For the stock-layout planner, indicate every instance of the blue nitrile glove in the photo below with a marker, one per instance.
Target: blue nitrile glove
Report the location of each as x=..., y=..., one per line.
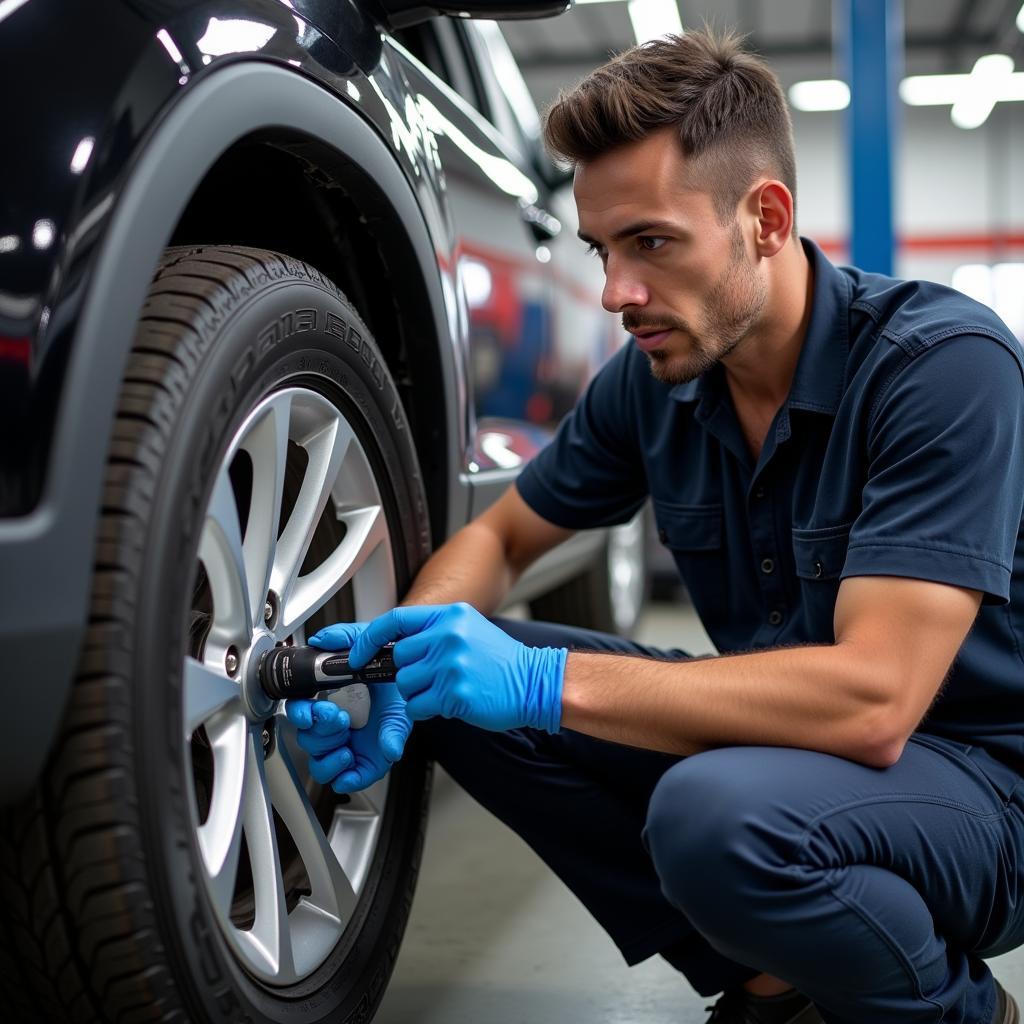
x=350, y=759
x=454, y=662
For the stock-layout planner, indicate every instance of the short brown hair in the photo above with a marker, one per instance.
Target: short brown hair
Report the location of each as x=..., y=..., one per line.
x=727, y=105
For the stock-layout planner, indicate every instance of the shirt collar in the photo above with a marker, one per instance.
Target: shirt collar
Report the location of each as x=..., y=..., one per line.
x=821, y=369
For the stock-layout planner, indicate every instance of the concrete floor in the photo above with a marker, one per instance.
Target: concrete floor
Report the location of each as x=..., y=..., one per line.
x=495, y=938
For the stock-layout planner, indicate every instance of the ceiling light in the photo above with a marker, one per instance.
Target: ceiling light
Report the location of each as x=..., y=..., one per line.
x=981, y=90
x=653, y=19
x=825, y=94
x=1020, y=17
x=932, y=90
x=939, y=90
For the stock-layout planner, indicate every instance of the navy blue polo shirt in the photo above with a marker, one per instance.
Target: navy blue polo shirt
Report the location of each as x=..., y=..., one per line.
x=898, y=452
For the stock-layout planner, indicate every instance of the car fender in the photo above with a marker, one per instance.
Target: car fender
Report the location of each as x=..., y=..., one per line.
x=48, y=553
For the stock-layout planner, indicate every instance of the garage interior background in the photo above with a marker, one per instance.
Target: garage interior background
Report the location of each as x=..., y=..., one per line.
x=513, y=946
x=959, y=204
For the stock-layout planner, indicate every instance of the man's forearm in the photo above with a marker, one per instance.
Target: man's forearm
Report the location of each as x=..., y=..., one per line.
x=816, y=698
x=471, y=566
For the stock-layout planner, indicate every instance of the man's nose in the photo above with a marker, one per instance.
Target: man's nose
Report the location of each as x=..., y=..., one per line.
x=621, y=289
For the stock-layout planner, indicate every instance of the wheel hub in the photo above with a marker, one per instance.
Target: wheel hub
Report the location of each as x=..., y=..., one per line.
x=258, y=706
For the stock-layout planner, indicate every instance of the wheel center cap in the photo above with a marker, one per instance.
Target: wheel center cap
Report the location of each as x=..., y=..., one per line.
x=258, y=705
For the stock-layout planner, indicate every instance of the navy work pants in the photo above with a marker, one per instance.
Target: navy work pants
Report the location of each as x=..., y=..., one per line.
x=876, y=892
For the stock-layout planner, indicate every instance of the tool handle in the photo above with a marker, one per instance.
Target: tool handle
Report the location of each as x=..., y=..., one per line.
x=290, y=673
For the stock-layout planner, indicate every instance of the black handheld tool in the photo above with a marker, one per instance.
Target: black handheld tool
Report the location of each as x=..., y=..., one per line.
x=290, y=673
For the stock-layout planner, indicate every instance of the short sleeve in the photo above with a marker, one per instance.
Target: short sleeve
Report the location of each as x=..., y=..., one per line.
x=592, y=472
x=945, y=483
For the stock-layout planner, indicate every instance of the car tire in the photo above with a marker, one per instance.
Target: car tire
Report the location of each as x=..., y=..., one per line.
x=610, y=595
x=115, y=908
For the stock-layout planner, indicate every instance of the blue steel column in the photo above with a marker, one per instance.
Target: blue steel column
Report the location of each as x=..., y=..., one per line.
x=872, y=33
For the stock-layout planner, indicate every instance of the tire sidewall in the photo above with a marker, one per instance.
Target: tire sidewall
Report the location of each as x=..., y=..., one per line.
x=289, y=333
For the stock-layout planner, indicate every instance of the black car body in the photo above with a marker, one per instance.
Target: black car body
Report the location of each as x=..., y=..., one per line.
x=288, y=293
x=297, y=125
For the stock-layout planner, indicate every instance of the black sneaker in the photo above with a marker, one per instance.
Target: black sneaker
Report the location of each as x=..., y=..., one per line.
x=738, y=1006
x=1007, y=1011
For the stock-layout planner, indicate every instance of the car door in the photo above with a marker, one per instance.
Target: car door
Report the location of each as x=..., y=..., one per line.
x=494, y=196
x=582, y=334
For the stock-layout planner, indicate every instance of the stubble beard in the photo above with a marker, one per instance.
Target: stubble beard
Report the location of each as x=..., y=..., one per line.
x=733, y=307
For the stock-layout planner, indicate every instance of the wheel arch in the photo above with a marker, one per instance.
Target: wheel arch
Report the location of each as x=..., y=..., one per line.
x=51, y=549
x=331, y=213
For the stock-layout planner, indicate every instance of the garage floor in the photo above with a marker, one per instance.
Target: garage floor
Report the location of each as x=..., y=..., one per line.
x=494, y=937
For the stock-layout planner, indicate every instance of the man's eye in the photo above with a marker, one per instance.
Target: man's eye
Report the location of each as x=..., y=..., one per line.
x=650, y=243
x=594, y=250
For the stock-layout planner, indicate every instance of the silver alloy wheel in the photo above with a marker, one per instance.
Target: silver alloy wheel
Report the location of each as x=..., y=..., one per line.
x=626, y=570
x=257, y=769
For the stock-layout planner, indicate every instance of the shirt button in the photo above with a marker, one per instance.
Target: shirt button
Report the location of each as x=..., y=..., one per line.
x=819, y=570
x=775, y=617
x=759, y=493
x=767, y=566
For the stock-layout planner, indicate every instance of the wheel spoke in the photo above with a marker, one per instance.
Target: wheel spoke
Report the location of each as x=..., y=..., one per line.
x=267, y=445
x=366, y=531
x=220, y=550
x=270, y=935
x=326, y=448
x=332, y=892
x=367, y=803
x=355, y=829
x=207, y=691
x=220, y=836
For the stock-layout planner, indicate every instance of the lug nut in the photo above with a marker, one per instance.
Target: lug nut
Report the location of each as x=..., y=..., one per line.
x=231, y=661
x=270, y=608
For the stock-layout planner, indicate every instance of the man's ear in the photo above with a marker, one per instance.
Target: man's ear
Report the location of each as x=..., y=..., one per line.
x=771, y=204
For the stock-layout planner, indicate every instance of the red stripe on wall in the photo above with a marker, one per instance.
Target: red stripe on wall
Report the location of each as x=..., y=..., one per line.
x=993, y=242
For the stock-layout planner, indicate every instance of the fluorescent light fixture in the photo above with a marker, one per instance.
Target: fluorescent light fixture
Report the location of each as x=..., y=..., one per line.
x=652, y=19
x=939, y=90
x=825, y=94
x=982, y=90
x=1020, y=17
x=932, y=90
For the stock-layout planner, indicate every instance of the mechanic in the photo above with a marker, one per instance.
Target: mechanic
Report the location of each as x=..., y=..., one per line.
x=824, y=822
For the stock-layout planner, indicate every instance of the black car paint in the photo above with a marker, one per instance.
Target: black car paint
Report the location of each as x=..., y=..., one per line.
x=325, y=82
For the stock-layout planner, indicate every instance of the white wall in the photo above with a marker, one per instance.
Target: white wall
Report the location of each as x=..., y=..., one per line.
x=951, y=182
